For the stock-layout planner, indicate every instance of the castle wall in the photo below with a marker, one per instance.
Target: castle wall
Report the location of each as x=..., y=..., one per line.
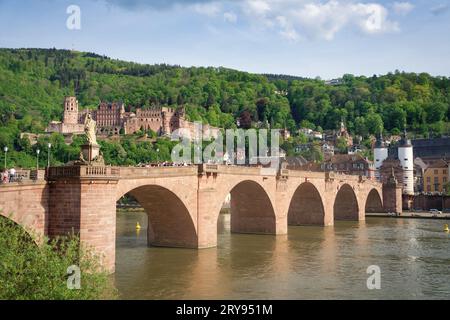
x=111, y=118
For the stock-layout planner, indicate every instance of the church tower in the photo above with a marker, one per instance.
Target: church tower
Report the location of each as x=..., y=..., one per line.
x=70, y=110
x=405, y=155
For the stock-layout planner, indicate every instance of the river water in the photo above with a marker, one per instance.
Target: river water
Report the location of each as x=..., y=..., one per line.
x=308, y=263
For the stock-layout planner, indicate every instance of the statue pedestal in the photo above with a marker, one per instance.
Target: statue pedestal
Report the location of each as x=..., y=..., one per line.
x=90, y=152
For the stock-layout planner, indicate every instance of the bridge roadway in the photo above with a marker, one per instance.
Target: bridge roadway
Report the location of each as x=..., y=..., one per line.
x=183, y=203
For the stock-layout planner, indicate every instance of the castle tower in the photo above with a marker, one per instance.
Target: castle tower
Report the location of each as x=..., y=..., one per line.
x=380, y=152
x=405, y=155
x=70, y=110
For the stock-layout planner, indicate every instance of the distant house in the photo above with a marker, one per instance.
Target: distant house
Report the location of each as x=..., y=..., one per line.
x=328, y=150
x=311, y=134
x=432, y=148
x=302, y=147
x=436, y=176
x=294, y=163
x=333, y=82
x=350, y=164
x=317, y=135
x=305, y=131
x=355, y=149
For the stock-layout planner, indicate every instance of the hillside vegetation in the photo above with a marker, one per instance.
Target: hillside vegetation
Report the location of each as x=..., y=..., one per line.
x=33, y=83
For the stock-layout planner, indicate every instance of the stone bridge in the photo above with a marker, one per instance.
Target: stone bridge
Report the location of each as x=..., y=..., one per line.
x=183, y=203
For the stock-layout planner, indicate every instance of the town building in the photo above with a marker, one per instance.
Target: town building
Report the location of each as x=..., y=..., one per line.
x=328, y=150
x=437, y=148
x=311, y=134
x=350, y=164
x=435, y=176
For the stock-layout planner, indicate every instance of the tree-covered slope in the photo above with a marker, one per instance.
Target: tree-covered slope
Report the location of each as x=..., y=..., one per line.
x=33, y=83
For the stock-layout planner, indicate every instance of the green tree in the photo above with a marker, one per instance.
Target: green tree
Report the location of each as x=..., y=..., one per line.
x=32, y=272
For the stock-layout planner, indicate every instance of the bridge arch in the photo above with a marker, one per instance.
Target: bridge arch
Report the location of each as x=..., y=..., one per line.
x=306, y=206
x=251, y=207
x=374, y=204
x=346, y=204
x=170, y=223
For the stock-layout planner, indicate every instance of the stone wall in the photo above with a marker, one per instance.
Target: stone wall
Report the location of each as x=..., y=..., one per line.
x=27, y=205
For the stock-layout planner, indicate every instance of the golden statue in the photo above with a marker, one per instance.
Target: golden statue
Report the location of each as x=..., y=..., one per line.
x=90, y=128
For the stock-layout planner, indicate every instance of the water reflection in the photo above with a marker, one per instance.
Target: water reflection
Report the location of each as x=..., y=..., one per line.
x=308, y=263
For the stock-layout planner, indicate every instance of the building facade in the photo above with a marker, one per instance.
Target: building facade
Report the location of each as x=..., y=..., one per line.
x=352, y=164
x=435, y=176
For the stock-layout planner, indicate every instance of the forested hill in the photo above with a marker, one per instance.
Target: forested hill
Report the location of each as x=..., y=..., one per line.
x=33, y=83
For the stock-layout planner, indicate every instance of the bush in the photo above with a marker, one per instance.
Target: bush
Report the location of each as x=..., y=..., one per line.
x=39, y=272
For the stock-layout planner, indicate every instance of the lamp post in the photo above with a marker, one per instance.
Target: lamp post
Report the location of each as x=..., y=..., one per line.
x=6, y=151
x=48, y=154
x=157, y=155
x=37, y=159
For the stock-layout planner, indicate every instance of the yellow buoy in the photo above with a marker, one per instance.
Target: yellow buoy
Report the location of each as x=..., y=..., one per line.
x=138, y=226
x=446, y=228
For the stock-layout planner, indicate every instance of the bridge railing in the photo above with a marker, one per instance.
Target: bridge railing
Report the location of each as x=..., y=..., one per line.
x=24, y=176
x=136, y=172
x=82, y=172
x=236, y=169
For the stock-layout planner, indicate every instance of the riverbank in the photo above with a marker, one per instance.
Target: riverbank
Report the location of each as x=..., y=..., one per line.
x=411, y=215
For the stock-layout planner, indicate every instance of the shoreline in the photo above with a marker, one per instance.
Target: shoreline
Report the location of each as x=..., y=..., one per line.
x=410, y=215
x=404, y=215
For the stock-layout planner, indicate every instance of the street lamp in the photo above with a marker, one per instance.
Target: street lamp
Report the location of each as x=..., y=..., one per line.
x=6, y=150
x=37, y=158
x=157, y=155
x=48, y=154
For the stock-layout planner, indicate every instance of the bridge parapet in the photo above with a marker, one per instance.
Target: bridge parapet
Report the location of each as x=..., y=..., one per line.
x=82, y=172
x=237, y=170
x=157, y=172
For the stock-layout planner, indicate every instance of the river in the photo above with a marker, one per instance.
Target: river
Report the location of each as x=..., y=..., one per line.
x=308, y=263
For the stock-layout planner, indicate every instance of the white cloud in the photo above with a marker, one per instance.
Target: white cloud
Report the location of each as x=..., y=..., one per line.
x=287, y=31
x=402, y=8
x=230, y=17
x=372, y=18
x=210, y=9
x=257, y=7
x=295, y=19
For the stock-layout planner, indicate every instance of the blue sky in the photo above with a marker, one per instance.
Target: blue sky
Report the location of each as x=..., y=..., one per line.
x=325, y=38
